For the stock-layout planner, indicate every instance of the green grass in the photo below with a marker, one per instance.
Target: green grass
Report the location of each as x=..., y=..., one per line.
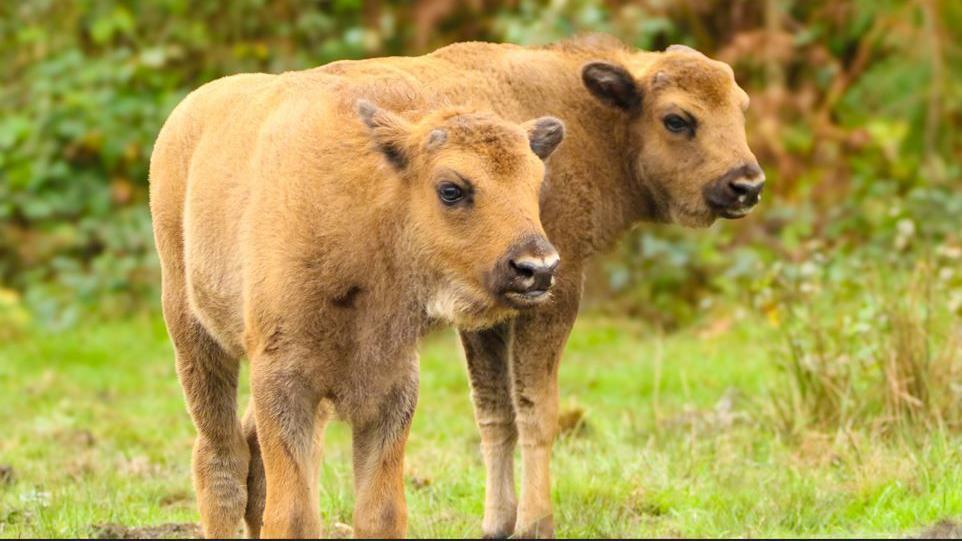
x=674, y=439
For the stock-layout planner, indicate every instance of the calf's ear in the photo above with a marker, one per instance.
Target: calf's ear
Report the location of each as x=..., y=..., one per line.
x=612, y=85
x=388, y=131
x=544, y=135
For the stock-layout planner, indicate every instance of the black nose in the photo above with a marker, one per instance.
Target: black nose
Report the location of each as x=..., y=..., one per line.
x=526, y=273
x=737, y=191
x=535, y=273
x=746, y=192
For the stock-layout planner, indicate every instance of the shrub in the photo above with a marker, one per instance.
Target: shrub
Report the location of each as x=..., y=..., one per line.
x=885, y=358
x=855, y=108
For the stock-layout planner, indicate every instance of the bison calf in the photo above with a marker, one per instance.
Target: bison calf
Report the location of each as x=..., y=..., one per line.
x=322, y=246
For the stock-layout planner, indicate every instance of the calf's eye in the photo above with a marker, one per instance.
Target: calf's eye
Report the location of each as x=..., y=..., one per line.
x=676, y=124
x=450, y=193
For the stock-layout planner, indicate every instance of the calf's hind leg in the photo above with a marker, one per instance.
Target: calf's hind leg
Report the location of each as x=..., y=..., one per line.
x=208, y=376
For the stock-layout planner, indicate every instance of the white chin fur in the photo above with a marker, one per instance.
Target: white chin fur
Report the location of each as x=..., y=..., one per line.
x=445, y=305
x=462, y=307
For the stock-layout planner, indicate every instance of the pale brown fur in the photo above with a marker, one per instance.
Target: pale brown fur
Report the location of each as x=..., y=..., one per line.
x=618, y=167
x=291, y=233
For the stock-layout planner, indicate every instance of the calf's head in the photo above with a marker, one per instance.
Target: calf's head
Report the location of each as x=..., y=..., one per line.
x=471, y=182
x=684, y=115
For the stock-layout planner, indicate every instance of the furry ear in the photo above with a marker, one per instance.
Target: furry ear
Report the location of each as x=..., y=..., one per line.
x=544, y=135
x=388, y=131
x=612, y=85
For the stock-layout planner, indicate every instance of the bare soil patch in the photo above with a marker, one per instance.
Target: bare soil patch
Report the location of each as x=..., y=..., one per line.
x=944, y=529
x=170, y=530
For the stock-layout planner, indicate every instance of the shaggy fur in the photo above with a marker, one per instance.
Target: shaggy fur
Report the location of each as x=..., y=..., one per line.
x=291, y=233
x=618, y=167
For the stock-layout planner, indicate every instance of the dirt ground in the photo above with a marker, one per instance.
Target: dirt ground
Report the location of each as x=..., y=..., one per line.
x=944, y=529
x=186, y=531
x=161, y=531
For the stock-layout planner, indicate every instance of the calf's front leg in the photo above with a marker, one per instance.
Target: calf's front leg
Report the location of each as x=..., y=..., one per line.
x=488, y=355
x=256, y=484
x=539, y=339
x=380, y=510
x=286, y=406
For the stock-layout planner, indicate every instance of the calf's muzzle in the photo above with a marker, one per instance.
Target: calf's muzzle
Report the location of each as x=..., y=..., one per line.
x=523, y=277
x=735, y=193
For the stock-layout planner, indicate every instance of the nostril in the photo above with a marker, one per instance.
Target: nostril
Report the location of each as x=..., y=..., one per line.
x=524, y=268
x=746, y=190
x=740, y=188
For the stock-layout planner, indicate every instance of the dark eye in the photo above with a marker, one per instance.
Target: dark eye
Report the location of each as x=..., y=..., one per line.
x=450, y=193
x=676, y=124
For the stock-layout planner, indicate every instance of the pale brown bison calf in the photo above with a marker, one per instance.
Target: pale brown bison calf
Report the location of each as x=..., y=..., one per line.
x=320, y=237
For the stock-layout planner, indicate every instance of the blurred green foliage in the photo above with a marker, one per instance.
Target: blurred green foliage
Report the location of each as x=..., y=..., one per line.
x=856, y=116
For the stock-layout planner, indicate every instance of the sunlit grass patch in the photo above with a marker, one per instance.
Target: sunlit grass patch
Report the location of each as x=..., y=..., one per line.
x=672, y=434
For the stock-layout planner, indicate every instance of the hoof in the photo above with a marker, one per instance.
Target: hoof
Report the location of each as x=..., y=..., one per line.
x=542, y=528
x=499, y=523
x=503, y=531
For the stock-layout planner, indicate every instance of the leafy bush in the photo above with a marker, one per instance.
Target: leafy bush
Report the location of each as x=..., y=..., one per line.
x=94, y=81
x=855, y=116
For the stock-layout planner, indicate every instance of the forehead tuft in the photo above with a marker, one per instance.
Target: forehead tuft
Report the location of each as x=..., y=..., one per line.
x=501, y=145
x=707, y=80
